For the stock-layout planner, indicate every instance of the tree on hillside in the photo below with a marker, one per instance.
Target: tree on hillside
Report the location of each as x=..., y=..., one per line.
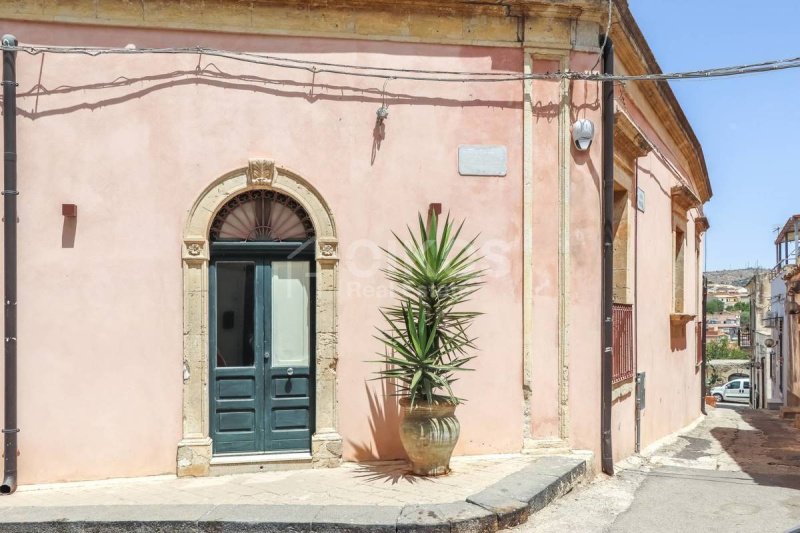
x=724, y=349
x=744, y=307
x=715, y=306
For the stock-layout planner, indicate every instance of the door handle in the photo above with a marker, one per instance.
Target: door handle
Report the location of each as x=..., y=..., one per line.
x=266, y=356
x=290, y=371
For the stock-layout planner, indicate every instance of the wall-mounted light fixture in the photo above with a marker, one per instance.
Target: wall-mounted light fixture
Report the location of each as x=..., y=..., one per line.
x=582, y=134
x=382, y=113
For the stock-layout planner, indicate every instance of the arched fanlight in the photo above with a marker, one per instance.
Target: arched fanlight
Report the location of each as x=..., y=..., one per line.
x=262, y=215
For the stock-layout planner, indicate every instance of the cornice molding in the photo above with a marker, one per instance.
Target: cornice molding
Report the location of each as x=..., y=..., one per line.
x=629, y=142
x=683, y=198
x=550, y=23
x=701, y=225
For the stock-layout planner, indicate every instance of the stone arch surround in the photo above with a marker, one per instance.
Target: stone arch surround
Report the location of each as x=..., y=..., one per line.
x=194, y=455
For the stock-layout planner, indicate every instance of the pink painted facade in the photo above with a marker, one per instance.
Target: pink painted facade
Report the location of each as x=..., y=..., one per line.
x=134, y=140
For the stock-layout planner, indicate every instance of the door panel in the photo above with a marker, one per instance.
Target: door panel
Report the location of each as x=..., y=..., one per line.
x=289, y=375
x=291, y=319
x=261, y=336
x=236, y=336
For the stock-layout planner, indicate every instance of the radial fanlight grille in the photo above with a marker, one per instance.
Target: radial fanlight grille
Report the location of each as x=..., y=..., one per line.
x=262, y=215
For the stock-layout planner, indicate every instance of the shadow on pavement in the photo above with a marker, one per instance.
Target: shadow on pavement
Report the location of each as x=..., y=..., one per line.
x=769, y=452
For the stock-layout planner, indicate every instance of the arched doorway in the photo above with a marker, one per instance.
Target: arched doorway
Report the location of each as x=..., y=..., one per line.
x=261, y=294
x=258, y=237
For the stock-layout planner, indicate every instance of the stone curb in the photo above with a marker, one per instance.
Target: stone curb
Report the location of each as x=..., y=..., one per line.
x=507, y=503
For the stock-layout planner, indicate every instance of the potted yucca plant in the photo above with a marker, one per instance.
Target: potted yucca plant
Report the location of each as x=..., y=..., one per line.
x=426, y=338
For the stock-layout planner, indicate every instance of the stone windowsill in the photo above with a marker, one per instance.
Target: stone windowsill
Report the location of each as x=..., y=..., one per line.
x=622, y=388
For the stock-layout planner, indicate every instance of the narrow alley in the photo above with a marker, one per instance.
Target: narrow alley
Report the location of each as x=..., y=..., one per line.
x=739, y=469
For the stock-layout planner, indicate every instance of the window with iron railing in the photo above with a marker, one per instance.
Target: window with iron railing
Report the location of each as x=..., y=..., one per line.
x=622, y=343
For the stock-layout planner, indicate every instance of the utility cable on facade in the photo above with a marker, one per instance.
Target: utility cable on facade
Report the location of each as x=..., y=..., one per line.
x=317, y=67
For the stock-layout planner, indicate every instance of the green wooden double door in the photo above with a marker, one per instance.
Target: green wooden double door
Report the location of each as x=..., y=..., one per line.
x=262, y=353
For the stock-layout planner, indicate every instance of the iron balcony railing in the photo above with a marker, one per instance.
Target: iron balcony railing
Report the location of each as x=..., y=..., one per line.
x=787, y=262
x=622, y=337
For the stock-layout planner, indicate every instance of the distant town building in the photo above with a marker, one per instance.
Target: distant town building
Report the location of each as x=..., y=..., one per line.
x=721, y=325
x=719, y=371
x=783, y=355
x=728, y=294
x=760, y=291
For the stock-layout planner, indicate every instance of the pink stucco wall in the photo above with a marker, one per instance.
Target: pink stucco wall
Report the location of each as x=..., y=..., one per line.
x=585, y=244
x=545, y=232
x=100, y=311
x=134, y=140
x=667, y=355
x=668, y=358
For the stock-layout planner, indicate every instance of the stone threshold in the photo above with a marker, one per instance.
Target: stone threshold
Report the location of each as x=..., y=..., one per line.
x=507, y=503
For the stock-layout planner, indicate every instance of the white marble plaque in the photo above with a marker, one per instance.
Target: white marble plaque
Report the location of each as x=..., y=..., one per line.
x=482, y=160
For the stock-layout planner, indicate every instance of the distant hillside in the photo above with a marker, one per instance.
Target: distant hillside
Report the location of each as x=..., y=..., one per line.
x=738, y=277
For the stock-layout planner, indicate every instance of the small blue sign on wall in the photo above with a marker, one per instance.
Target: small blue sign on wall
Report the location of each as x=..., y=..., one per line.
x=640, y=199
x=482, y=160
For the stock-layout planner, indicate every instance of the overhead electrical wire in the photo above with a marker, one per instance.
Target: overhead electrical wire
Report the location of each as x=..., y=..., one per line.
x=318, y=67
x=606, y=34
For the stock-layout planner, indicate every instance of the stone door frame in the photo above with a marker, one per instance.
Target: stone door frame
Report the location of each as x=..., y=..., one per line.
x=195, y=450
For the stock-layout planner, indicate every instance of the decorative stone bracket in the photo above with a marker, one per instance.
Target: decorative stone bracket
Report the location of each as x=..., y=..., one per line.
x=683, y=198
x=680, y=319
x=629, y=142
x=701, y=225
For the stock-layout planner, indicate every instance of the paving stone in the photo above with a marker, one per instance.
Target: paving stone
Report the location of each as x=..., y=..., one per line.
x=262, y=518
x=422, y=519
x=535, y=490
x=101, y=527
x=466, y=517
x=510, y=512
x=380, y=498
x=563, y=467
x=356, y=518
x=110, y=513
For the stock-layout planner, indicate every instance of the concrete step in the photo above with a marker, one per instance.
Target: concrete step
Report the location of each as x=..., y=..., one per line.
x=507, y=503
x=789, y=412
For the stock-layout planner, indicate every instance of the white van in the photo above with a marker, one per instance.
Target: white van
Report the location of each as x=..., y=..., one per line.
x=736, y=390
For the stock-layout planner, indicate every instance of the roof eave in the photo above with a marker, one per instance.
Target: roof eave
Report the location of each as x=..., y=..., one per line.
x=633, y=35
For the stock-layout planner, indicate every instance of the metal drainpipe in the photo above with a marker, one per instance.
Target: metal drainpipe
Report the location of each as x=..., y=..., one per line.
x=10, y=193
x=703, y=348
x=606, y=452
x=637, y=444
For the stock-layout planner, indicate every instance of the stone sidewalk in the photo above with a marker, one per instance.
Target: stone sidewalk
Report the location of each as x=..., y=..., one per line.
x=739, y=469
x=481, y=494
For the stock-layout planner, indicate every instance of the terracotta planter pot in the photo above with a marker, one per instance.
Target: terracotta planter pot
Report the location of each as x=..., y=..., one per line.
x=429, y=433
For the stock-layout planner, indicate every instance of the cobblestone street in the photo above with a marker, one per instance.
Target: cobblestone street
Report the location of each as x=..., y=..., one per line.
x=738, y=469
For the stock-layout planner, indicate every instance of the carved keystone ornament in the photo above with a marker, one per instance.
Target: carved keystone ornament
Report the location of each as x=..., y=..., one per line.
x=261, y=171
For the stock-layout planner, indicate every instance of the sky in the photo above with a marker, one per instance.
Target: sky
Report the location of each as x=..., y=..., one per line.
x=749, y=126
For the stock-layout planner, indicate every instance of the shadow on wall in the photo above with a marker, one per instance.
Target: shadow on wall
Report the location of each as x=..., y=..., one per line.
x=68, y=232
x=769, y=453
x=677, y=338
x=384, y=425
x=212, y=75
